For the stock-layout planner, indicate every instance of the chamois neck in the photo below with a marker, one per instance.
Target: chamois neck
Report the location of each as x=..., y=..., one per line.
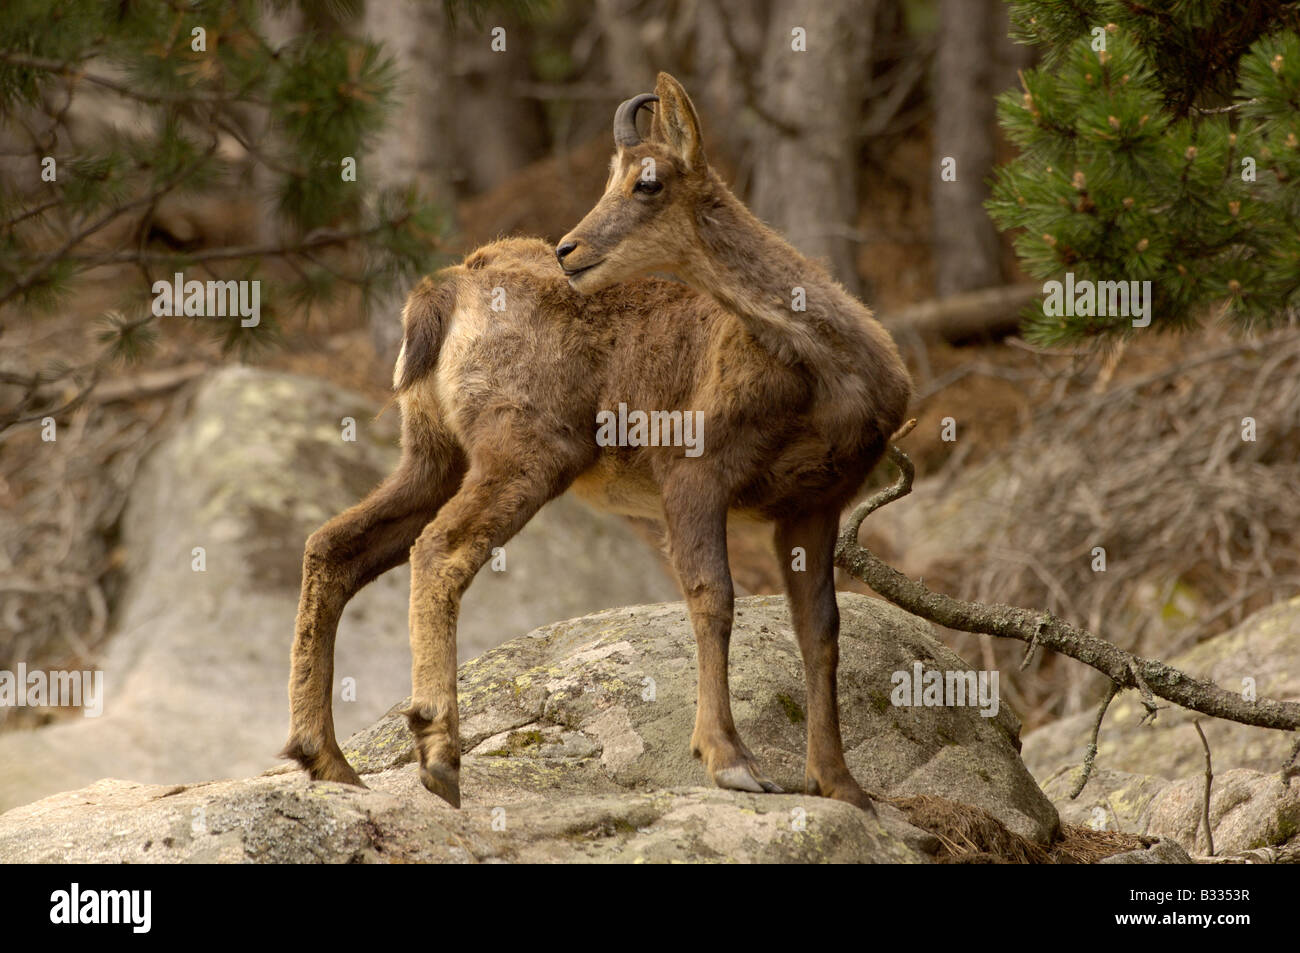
x=761, y=278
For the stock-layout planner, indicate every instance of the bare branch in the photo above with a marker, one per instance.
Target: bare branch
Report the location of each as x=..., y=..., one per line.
x=1121, y=667
x=1213, y=110
x=1090, y=756
x=19, y=415
x=148, y=384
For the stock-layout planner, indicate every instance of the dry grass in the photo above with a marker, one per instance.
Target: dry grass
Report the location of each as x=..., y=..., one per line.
x=1148, y=461
x=1156, y=469
x=970, y=835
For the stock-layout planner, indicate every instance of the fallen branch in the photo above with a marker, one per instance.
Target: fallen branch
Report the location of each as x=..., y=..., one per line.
x=990, y=312
x=147, y=384
x=1126, y=670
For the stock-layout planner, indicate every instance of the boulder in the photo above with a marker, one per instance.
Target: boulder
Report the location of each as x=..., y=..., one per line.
x=196, y=668
x=1161, y=852
x=576, y=741
x=1249, y=811
x=614, y=693
x=286, y=819
x=1111, y=800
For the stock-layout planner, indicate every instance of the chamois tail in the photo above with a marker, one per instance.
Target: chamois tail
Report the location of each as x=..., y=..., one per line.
x=424, y=324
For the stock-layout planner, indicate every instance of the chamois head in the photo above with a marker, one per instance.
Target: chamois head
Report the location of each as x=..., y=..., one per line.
x=645, y=221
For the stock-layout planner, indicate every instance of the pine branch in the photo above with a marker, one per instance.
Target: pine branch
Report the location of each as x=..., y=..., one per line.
x=23, y=414
x=45, y=264
x=30, y=213
x=321, y=238
x=78, y=73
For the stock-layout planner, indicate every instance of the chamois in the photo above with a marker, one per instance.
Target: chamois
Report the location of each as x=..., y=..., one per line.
x=499, y=415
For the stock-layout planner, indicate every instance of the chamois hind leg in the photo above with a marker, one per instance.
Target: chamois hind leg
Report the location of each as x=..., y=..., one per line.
x=500, y=494
x=345, y=554
x=816, y=620
x=697, y=548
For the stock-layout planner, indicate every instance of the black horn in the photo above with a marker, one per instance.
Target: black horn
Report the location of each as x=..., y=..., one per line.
x=625, y=134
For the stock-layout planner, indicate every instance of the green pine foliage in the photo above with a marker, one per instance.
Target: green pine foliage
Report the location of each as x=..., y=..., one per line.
x=1171, y=156
x=295, y=109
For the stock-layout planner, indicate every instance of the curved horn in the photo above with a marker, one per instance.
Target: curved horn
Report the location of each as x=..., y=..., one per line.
x=625, y=134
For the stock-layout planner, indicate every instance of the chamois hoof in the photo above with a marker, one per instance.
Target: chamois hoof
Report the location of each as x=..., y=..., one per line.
x=741, y=778
x=339, y=771
x=859, y=799
x=849, y=792
x=442, y=780
x=322, y=764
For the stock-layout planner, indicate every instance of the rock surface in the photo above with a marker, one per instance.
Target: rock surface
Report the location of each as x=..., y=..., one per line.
x=1249, y=811
x=196, y=670
x=286, y=819
x=1162, y=852
x=577, y=749
x=612, y=695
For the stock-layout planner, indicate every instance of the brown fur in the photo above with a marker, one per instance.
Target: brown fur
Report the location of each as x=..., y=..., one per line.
x=499, y=411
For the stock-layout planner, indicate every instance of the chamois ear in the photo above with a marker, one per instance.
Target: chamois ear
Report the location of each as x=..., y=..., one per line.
x=675, y=123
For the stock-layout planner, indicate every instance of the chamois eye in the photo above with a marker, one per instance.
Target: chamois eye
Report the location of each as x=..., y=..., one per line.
x=648, y=187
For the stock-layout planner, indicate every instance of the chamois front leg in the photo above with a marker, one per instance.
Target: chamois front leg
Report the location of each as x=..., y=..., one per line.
x=341, y=557
x=816, y=619
x=494, y=503
x=697, y=545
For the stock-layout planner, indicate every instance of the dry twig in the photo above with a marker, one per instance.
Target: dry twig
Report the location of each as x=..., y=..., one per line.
x=1209, y=783
x=1091, y=756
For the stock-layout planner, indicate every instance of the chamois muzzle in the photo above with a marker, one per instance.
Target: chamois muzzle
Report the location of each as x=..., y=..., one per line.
x=625, y=134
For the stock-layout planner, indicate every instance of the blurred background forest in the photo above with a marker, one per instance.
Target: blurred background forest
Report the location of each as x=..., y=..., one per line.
x=473, y=120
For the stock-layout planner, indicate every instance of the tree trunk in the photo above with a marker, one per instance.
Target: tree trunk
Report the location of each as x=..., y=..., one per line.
x=413, y=145
x=629, y=60
x=497, y=131
x=806, y=175
x=966, y=249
